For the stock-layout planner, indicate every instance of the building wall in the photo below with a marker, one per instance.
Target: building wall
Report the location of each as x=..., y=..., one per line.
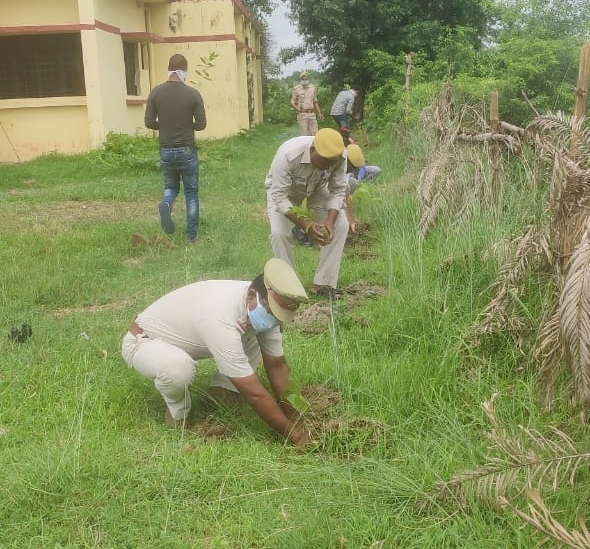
x=38, y=12
x=31, y=130
x=157, y=29
x=224, y=94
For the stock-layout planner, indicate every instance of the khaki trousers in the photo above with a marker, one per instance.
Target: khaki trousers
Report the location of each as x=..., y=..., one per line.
x=308, y=124
x=282, y=240
x=173, y=370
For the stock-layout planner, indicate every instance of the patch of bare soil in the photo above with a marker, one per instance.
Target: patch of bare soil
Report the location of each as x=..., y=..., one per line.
x=209, y=429
x=349, y=435
x=359, y=246
x=333, y=433
x=70, y=212
x=321, y=400
x=315, y=319
x=117, y=306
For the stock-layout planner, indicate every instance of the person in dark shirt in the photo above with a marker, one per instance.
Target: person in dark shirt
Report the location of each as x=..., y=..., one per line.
x=177, y=111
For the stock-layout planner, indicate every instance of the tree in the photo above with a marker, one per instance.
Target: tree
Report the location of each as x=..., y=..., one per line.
x=260, y=8
x=544, y=19
x=343, y=31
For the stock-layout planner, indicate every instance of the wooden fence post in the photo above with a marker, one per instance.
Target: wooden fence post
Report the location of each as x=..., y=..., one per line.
x=409, y=71
x=580, y=105
x=495, y=148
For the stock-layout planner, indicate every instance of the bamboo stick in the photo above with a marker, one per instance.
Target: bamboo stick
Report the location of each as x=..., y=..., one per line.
x=580, y=104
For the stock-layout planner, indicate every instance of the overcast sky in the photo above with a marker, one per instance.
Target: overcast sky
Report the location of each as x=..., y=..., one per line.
x=285, y=35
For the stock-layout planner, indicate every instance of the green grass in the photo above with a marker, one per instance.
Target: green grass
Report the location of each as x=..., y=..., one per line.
x=86, y=460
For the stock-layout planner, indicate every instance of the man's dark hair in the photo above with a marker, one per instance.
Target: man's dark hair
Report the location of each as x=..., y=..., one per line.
x=259, y=286
x=177, y=62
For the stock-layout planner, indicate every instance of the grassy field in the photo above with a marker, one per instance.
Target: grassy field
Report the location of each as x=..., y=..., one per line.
x=86, y=461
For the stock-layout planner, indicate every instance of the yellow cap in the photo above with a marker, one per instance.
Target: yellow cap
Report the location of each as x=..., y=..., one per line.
x=328, y=143
x=285, y=291
x=355, y=155
x=303, y=74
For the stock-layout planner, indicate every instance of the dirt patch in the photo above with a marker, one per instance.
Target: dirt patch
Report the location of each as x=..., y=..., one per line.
x=59, y=214
x=358, y=246
x=117, y=306
x=315, y=319
x=321, y=400
x=209, y=429
x=332, y=433
x=330, y=430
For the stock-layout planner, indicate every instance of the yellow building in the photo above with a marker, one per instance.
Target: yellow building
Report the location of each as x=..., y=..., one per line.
x=71, y=71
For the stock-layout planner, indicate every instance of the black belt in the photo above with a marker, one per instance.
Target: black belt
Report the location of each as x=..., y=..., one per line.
x=179, y=149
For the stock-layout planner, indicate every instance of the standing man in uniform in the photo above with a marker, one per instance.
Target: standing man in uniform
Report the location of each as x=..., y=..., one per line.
x=311, y=168
x=177, y=111
x=238, y=324
x=305, y=102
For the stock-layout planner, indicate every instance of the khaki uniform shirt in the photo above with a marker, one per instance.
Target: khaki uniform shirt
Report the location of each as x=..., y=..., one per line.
x=304, y=97
x=292, y=176
x=203, y=319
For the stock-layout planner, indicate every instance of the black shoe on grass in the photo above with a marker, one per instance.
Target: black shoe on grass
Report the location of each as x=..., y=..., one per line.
x=165, y=218
x=300, y=237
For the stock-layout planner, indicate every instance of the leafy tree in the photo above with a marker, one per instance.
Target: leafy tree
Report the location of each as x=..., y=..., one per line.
x=260, y=8
x=344, y=31
x=543, y=19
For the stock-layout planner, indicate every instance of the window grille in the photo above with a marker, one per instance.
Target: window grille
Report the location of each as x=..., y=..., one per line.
x=41, y=65
x=131, y=67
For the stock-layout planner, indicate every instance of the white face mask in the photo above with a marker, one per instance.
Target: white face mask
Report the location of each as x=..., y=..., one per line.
x=261, y=319
x=305, y=82
x=181, y=74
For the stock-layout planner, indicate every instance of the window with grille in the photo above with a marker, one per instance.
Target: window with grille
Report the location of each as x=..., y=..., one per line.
x=131, y=57
x=41, y=65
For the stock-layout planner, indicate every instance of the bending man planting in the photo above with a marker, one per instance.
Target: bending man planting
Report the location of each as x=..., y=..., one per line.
x=237, y=323
x=311, y=168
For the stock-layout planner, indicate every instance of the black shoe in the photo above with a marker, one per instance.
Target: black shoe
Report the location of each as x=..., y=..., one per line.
x=300, y=236
x=165, y=218
x=326, y=292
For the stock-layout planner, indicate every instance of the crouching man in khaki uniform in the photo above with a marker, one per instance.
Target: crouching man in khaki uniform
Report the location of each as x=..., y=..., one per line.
x=304, y=100
x=237, y=323
x=311, y=168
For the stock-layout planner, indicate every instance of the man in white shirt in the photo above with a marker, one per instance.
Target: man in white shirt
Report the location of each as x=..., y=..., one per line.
x=311, y=168
x=237, y=323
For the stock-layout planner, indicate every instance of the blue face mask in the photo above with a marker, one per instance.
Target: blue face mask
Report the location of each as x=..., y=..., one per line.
x=261, y=319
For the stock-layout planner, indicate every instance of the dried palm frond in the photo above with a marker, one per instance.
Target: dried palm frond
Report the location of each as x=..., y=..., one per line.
x=557, y=127
x=429, y=175
x=542, y=519
x=574, y=317
x=548, y=356
x=529, y=249
x=570, y=210
x=533, y=461
x=440, y=114
x=442, y=186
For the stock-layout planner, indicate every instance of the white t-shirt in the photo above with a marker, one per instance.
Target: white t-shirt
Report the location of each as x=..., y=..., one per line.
x=203, y=319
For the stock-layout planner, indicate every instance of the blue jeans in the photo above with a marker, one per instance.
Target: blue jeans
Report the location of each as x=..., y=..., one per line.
x=342, y=120
x=176, y=163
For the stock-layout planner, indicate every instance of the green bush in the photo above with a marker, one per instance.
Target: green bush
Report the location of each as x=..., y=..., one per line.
x=128, y=153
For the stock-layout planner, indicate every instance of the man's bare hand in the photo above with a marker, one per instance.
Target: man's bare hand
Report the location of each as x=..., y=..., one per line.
x=300, y=437
x=319, y=233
